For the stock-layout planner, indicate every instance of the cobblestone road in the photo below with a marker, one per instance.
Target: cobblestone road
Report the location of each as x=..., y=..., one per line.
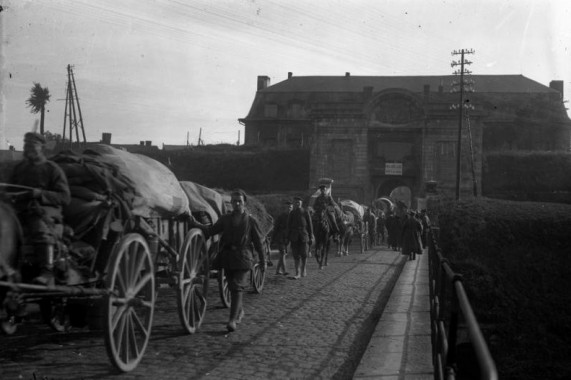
x=313, y=328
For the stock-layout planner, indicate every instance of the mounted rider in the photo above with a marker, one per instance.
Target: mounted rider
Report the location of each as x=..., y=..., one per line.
x=325, y=205
x=40, y=209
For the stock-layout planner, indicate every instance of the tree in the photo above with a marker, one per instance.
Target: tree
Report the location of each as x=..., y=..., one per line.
x=39, y=96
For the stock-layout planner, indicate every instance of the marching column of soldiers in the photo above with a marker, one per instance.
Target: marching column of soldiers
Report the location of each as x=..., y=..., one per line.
x=40, y=212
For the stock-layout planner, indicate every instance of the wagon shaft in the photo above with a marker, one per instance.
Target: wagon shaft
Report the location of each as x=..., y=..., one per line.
x=63, y=290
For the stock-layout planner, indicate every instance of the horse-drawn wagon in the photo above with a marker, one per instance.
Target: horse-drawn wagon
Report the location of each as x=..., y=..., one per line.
x=131, y=233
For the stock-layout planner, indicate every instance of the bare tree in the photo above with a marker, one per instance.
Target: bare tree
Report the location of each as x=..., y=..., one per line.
x=39, y=96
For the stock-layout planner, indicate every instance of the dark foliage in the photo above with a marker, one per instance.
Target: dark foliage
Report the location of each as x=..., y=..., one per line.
x=516, y=262
x=528, y=176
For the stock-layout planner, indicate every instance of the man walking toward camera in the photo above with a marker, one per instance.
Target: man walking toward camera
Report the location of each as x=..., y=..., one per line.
x=280, y=237
x=241, y=234
x=300, y=233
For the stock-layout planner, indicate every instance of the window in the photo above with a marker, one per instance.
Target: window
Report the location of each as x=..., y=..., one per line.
x=340, y=158
x=393, y=151
x=271, y=110
x=445, y=160
x=446, y=149
x=296, y=110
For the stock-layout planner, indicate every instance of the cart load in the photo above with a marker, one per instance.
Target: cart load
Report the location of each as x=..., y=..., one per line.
x=157, y=191
x=204, y=200
x=353, y=207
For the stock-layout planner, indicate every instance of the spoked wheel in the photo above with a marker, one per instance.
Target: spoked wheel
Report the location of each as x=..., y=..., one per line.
x=258, y=277
x=192, y=281
x=131, y=302
x=223, y=288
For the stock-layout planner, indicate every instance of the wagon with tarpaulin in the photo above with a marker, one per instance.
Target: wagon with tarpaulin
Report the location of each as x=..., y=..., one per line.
x=358, y=212
x=132, y=231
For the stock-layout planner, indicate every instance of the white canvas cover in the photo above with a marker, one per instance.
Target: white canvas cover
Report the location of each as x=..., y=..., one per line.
x=202, y=198
x=157, y=190
x=353, y=207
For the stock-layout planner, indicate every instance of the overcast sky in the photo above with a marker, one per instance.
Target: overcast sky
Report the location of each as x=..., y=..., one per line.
x=161, y=69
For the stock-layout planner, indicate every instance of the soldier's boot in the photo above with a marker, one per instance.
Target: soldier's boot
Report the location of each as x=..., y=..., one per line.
x=235, y=310
x=45, y=256
x=297, y=268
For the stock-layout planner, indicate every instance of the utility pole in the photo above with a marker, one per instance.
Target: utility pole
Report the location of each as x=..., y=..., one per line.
x=72, y=112
x=474, y=180
x=460, y=87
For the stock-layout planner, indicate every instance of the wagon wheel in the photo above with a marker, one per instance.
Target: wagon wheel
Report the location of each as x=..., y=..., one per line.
x=258, y=277
x=223, y=288
x=192, y=281
x=130, y=305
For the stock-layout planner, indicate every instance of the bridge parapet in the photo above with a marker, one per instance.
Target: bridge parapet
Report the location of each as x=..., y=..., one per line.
x=458, y=346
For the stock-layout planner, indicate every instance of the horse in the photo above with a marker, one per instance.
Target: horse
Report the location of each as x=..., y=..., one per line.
x=347, y=227
x=323, y=235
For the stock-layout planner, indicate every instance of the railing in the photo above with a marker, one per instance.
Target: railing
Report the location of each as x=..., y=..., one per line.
x=459, y=350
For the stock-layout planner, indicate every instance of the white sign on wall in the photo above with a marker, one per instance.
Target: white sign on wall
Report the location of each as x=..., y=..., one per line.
x=393, y=168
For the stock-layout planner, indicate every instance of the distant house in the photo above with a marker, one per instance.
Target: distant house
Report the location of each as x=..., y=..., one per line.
x=373, y=135
x=170, y=148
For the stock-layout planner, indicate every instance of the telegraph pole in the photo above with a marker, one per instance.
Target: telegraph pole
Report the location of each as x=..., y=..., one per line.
x=72, y=112
x=461, y=89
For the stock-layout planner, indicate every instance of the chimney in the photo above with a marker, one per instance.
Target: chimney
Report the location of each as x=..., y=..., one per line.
x=426, y=92
x=557, y=85
x=148, y=143
x=141, y=143
x=367, y=92
x=289, y=75
x=106, y=138
x=263, y=82
x=347, y=74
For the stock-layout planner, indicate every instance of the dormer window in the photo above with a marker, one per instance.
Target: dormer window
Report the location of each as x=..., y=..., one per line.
x=271, y=110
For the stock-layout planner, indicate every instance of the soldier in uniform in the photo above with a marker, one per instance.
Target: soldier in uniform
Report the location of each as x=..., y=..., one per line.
x=241, y=235
x=425, y=220
x=280, y=236
x=40, y=210
x=371, y=226
x=325, y=202
x=410, y=236
x=300, y=234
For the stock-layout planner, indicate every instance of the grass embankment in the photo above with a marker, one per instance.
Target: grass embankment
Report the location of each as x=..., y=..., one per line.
x=515, y=258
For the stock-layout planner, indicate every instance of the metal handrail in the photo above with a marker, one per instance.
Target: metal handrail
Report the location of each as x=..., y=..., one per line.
x=452, y=316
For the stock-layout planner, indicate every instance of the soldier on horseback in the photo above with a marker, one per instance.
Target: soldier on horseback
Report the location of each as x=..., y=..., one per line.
x=40, y=209
x=325, y=206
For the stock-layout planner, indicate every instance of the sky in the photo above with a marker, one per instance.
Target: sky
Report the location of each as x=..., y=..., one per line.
x=170, y=70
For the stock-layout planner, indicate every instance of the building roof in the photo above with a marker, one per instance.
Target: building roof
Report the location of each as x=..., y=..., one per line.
x=347, y=94
x=483, y=83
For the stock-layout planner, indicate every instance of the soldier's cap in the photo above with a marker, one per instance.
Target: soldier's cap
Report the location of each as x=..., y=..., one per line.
x=298, y=199
x=34, y=137
x=239, y=192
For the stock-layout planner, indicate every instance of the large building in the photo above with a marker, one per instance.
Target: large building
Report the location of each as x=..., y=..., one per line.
x=380, y=135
